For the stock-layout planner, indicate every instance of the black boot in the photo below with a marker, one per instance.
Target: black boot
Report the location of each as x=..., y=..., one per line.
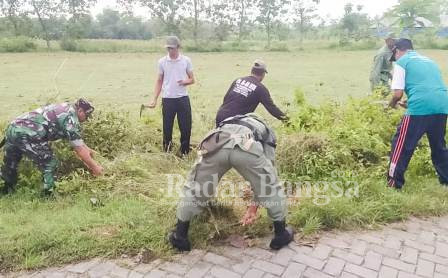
x=179, y=237
x=282, y=236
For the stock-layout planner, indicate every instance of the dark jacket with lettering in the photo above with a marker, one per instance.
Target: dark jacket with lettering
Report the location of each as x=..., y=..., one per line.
x=243, y=97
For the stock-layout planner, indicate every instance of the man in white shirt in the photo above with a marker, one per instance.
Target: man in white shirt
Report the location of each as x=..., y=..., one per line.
x=175, y=72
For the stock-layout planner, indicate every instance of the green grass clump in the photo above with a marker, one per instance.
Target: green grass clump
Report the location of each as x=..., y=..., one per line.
x=17, y=44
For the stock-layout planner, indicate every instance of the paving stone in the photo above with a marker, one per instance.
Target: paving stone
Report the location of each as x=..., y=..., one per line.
x=269, y=275
x=334, y=266
x=348, y=257
x=244, y=265
x=145, y=268
x=233, y=252
x=254, y=273
x=321, y=251
x=399, y=265
x=300, y=248
x=199, y=270
x=309, y=261
x=174, y=268
x=373, y=260
x=441, y=249
x=294, y=270
x=101, y=270
x=220, y=272
x=348, y=275
x=313, y=273
x=358, y=247
x=401, y=234
x=372, y=239
x=54, y=275
x=360, y=271
x=420, y=246
x=388, y=252
x=156, y=273
x=427, y=237
x=387, y=272
x=172, y=276
x=409, y=255
x=283, y=256
x=192, y=257
x=258, y=253
x=336, y=243
x=439, y=275
x=269, y=267
x=135, y=274
x=119, y=272
x=425, y=268
x=393, y=242
x=83, y=267
x=403, y=274
x=442, y=269
x=217, y=259
x=434, y=258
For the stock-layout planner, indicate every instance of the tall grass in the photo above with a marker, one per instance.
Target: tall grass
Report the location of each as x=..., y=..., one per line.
x=127, y=208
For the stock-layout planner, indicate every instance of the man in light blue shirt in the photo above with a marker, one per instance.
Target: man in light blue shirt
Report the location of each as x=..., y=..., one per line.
x=427, y=108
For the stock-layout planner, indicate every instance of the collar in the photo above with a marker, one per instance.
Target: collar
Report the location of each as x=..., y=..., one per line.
x=177, y=59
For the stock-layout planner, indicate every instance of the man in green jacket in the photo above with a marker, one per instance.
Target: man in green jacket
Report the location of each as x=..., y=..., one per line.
x=380, y=75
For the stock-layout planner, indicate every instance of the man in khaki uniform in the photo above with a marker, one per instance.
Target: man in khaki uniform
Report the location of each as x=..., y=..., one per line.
x=246, y=143
x=382, y=66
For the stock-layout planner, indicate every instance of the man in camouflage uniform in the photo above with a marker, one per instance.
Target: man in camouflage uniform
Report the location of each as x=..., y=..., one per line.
x=31, y=133
x=246, y=143
x=382, y=66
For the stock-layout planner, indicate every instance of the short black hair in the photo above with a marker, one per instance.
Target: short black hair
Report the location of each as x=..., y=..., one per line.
x=404, y=44
x=258, y=72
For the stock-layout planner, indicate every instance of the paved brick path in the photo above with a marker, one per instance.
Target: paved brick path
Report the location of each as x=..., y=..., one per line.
x=416, y=248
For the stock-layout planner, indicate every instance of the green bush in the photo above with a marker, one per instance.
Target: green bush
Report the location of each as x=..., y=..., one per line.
x=68, y=44
x=354, y=136
x=278, y=46
x=17, y=44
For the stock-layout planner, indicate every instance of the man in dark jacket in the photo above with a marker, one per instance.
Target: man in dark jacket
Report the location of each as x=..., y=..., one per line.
x=246, y=93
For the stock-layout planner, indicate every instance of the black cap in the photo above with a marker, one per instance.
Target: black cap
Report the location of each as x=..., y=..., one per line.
x=403, y=44
x=85, y=105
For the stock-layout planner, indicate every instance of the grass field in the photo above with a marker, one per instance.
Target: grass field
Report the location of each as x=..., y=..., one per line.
x=133, y=211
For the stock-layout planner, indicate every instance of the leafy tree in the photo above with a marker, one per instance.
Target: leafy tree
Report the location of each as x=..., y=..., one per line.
x=269, y=12
x=44, y=10
x=355, y=23
x=220, y=15
x=196, y=7
x=12, y=10
x=167, y=11
x=77, y=8
x=303, y=12
x=241, y=8
x=410, y=12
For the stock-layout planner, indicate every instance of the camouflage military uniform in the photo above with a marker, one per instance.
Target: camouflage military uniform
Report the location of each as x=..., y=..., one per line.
x=381, y=69
x=30, y=135
x=246, y=144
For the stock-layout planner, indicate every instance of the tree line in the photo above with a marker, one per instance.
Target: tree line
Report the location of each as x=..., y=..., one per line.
x=201, y=19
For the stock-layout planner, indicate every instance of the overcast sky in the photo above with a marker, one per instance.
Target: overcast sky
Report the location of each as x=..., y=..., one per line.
x=333, y=8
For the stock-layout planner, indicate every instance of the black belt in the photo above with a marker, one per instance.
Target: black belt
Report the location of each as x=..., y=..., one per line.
x=2, y=143
x=257, y=137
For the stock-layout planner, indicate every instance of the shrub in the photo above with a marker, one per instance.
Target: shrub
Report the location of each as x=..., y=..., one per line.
x=17, y=44
x=68, y=44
